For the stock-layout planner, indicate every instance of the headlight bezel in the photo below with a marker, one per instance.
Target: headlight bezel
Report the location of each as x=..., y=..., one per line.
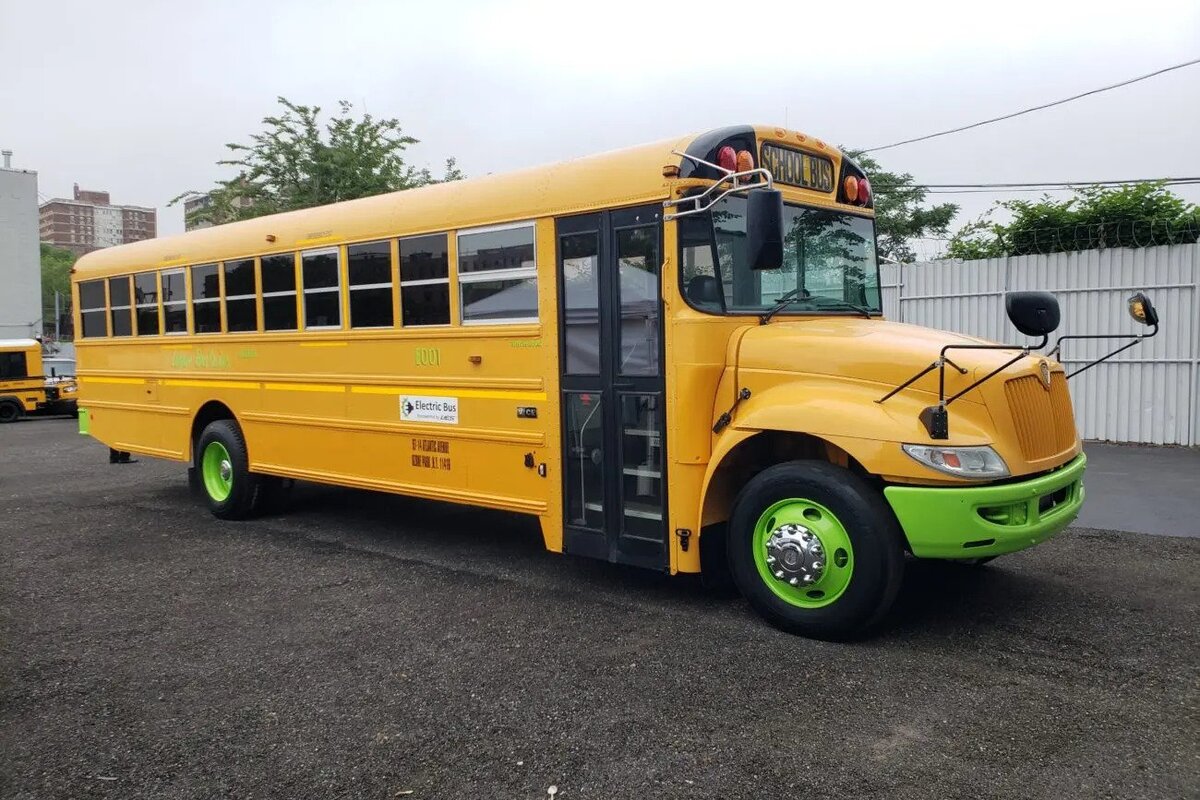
x=992, y=464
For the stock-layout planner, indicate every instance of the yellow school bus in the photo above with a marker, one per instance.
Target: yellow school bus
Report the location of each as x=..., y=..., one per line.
x=24, y=389
x=671, y=355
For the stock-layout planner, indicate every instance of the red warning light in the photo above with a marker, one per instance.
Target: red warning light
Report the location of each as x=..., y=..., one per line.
x=727, y=158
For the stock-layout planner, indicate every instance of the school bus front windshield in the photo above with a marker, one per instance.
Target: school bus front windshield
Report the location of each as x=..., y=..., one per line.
x=829, y=262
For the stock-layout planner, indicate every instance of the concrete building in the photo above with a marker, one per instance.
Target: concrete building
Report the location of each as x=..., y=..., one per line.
x=90, y=221
x=198, y=202
x=20, y=257
x=193, y=204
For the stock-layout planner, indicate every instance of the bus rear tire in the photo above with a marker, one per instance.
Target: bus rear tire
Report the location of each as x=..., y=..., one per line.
x=222, y=466
x=816, y=550
x=10, y=410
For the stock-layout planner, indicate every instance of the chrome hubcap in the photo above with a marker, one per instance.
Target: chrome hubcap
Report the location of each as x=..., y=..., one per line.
x=226, y=470
x=795, y=555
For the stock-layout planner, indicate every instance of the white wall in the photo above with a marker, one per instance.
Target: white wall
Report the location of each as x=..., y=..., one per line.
x=109, y=225
x=1148, y=394
x=20, y=258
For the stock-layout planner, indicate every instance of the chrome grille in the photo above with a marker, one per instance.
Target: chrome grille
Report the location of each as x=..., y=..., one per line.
x=1044, y=421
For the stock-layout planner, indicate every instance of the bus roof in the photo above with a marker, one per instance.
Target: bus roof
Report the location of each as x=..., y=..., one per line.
x=19, y=344
x=621, y=177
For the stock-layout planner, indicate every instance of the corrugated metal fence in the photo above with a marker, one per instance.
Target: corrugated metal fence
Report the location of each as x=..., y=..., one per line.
x=1150, y=393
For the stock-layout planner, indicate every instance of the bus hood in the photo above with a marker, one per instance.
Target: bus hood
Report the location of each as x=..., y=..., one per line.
x=887, y=353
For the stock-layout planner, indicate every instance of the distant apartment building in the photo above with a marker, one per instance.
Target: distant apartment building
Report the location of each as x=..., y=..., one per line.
x=199, y=202
x=20, y=259
x=90, y=221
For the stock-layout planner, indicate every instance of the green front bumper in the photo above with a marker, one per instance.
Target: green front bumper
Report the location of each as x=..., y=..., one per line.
x=978, y=521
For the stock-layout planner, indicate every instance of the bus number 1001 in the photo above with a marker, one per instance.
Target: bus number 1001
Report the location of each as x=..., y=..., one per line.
x=428, y=357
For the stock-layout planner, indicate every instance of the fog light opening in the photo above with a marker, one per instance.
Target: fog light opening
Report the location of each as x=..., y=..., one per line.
x=978, y=543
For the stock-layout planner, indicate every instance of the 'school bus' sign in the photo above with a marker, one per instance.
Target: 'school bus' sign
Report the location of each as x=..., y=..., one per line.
x=798, y=169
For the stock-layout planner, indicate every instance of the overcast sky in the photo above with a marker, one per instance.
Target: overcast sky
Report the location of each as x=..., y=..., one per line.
x=139, y=97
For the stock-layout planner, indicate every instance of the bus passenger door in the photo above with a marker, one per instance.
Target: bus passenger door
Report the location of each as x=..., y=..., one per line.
x=611, y=357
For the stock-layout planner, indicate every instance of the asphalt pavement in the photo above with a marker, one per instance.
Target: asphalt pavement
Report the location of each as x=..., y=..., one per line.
x=1142, y=489
x=364, y=645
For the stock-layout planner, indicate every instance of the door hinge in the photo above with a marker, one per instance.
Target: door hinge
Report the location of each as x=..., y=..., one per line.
x=685, y=537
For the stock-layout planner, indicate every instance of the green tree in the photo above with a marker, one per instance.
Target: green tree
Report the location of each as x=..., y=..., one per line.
x=900, y=211
x=1135, y=215
x=56, y=277
x=298, y=162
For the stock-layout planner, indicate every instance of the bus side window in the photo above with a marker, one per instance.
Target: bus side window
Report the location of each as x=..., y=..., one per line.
x=12, y=365
x=279, y=292
x=92, y=313
x=370, y=275
x=700, y=282
x=241, y=289
x=424, y=281
x=206, y=299
x=145, y=294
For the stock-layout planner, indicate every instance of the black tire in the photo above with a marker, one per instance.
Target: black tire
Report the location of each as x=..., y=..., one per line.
x=10, y=411
x=874, y=534
x=245, y=486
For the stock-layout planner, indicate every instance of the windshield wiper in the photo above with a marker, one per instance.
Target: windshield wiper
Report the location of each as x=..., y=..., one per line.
x=821, y=303
x=866, y=312
x=785, y=299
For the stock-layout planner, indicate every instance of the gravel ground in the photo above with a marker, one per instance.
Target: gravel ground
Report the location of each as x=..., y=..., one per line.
x=364, y=645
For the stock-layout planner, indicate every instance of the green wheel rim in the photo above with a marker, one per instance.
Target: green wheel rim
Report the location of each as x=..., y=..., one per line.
x=216, y=467
x=837, y=561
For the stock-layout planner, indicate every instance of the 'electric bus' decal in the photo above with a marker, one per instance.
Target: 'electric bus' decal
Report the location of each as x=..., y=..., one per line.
x=420, y=408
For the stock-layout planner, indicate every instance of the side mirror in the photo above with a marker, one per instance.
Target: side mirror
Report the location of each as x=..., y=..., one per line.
x=1142, y=310
x=764, y=228
x=1032, y=313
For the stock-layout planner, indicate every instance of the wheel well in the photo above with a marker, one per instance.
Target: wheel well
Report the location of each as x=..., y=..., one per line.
x=210, y=412
x=762, y=450
x=743, y=462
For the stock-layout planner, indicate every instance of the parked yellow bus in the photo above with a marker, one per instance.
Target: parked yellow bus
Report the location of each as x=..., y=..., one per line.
x=672, y=355
x=24, y=389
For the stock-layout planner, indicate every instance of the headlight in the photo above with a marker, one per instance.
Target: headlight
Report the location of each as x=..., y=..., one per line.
x=68, y=389
x=963, y=462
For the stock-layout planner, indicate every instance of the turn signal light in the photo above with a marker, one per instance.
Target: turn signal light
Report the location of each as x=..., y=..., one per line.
x=745, y=161
x=850, y=188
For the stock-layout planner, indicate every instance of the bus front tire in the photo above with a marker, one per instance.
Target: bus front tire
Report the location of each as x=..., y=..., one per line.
x=10, y=410
x=222, y=468
x=815, y=549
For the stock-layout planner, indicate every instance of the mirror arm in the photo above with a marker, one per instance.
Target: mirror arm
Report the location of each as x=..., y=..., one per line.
x=920, y=375
x=936, y=419
x=703, y=201
x=1137, y=339
x=942, y=377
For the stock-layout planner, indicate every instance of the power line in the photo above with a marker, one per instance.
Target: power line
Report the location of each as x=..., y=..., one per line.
x=1034, y=108
x=1042, y=186
x=1002, y=190
x=1036, y=184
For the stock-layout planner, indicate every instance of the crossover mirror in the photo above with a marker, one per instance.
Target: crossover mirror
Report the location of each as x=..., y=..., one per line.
x=1142, y=310
x=764, y=228
x=1032, y=313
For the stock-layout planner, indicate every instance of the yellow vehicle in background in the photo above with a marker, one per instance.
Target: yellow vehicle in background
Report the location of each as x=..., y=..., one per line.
x=672, y=356
x=24, y=389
